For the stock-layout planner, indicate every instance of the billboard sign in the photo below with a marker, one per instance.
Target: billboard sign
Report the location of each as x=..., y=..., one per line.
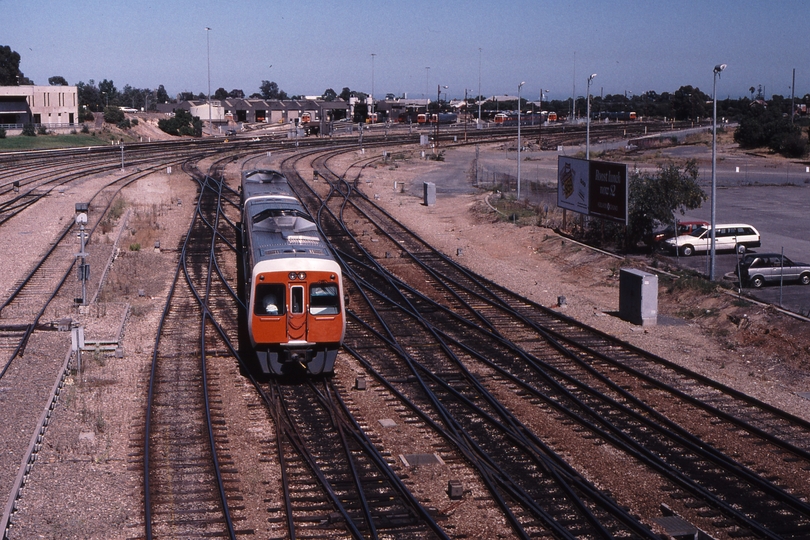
x=594, y=188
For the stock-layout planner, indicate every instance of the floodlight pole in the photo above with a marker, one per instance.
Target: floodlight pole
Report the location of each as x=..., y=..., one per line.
x=479, y=88
x=717, y=69
x=208, y=47
x=518, y=141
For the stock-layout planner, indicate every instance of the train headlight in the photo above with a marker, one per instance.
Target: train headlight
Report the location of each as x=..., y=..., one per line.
x=302, y=275
x=292, y=275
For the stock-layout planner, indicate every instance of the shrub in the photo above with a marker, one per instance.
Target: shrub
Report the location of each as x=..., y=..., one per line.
x=135, y=247
x=113, y=115
x=2, y=133
x=134, y=121
x=29, y=130
x=42, y=130
x=124, y=124
x=85, y=129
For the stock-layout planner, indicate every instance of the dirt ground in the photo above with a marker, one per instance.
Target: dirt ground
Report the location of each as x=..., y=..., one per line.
x=751, y=347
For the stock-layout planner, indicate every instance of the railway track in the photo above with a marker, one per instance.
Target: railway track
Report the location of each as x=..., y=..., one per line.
x=185, y=478
x=576, y=371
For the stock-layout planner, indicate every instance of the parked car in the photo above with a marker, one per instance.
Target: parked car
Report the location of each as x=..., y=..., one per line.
x=756, y=269
x=737, y=237
x=684, y=228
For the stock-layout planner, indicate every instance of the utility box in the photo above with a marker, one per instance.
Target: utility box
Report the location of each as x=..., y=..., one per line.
x=638, y=297
x=430, y=193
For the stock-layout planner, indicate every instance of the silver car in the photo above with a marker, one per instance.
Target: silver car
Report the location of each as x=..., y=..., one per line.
x=756, y=269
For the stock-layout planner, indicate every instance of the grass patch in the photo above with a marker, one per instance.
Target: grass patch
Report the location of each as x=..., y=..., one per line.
x=513, y=212
x=692, y=283
x=47, y=142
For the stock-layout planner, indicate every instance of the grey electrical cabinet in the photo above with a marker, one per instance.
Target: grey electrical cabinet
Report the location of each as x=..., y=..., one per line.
x=430, y=193
x=638, y=297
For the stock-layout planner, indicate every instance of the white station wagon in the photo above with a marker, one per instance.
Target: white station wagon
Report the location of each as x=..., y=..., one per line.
x=737, y=237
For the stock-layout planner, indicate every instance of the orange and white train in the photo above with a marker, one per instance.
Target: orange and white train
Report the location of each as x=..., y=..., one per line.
x=293, y=286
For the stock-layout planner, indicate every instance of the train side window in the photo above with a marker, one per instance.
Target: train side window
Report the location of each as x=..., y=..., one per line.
x=324, y=299
x=297, y=299
x=270, y=299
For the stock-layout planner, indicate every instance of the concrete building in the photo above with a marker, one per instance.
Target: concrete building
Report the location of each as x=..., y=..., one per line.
x=233, y=111
x=50, y=106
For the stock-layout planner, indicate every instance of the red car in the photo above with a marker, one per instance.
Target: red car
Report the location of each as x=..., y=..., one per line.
x=684, y=227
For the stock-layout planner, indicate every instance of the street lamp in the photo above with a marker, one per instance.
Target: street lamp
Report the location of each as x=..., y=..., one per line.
x=588, y=121
x=372, y=82
x=438, y=109
x=427, y=80
x=208, y=47
x=717, y=69
x=518, y=153
x=479, y=88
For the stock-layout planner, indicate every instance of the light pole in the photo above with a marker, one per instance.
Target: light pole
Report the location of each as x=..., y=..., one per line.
x=518, y=153
x=438, y=109
x=717, y=69
x=208, y=47
x=427, y=80
x=372, y=82
x=588, y=120
x=479, y=88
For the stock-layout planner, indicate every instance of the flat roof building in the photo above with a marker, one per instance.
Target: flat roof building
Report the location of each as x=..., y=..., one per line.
x=51, y=106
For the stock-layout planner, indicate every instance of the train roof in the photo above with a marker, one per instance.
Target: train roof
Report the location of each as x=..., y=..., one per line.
x=278, y=224
x=264, y=183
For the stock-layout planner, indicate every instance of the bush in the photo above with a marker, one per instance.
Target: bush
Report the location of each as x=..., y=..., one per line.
x=134, y=121
x=124, y=124
x=85, y=129
x=29, y=130
x=181, y=124
x=2, y=133
x=135, y=247
x=42, y=130
x=113, y=115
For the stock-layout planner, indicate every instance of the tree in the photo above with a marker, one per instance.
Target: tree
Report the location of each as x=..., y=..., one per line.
x=653, y=199
x=162, y=96
x=113, y=115
x=329, y=95
x=89, y=95
x=57, y=80
x=185, y=96
x=181, y=124
x=345, y=94
x=236, y=93
x=10, y=74
x=270, y=90
x=108, y=90
x=221, y=93
x=689, y=103
x=768, y=126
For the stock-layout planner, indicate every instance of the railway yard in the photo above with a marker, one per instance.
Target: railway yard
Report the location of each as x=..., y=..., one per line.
x=468, y=400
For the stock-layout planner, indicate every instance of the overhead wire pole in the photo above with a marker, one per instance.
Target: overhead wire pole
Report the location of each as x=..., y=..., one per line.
x=518, y=143
x=208, y=46
x=479, y=88
x=372, y=82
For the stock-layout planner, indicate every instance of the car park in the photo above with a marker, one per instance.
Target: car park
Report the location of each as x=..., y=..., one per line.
x=757, y=269
x=737, y=237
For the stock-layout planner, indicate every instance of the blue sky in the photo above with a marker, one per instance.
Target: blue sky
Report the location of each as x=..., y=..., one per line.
x=308, y=46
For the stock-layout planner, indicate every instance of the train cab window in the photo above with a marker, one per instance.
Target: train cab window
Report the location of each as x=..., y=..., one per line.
x=297, y=299
x=324, y=299
x=269, y=299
